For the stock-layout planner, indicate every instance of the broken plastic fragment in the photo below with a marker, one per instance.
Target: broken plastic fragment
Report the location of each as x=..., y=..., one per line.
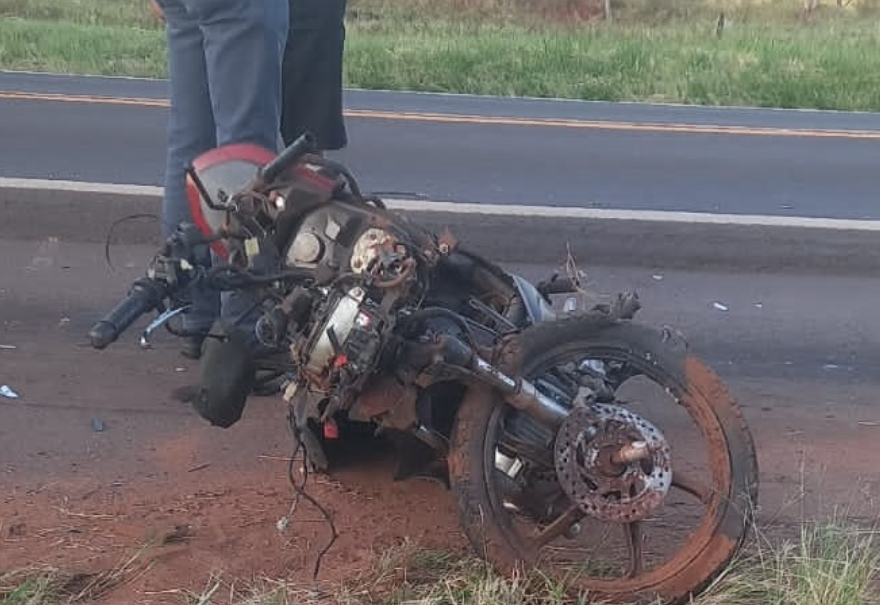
x=658, y=277
x=720, y=307
x=7, y=392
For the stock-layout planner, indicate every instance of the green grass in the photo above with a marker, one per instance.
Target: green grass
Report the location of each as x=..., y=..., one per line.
x=829, y=564
x=664, y=50
x=760, y=65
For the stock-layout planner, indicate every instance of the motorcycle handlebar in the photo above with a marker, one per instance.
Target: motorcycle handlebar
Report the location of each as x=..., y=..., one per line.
x=145, y=294
x=304, y=144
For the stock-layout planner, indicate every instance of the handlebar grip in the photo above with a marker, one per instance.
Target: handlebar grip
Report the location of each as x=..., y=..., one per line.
x=145, y=294
x=303, y=144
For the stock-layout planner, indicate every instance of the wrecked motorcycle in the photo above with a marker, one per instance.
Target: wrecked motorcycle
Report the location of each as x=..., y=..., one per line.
x=519, y=406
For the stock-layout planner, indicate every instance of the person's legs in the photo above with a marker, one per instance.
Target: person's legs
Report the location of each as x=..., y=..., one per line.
x=312, y=73
x=244, y=45
x=191, y=131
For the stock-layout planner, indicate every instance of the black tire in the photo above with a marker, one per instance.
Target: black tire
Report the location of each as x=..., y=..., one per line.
x=732, y=457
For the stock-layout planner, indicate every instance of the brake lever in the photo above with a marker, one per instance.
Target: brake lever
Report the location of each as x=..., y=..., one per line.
x=157, y=323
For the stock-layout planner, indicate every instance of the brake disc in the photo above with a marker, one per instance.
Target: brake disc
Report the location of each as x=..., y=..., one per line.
x=612, y=463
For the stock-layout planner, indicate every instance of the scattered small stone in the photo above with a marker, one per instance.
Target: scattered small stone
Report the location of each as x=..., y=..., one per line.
x=180, y=533
x=17, y=530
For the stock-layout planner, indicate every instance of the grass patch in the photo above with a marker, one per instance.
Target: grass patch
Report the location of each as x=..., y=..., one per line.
x=663, y=50
x=52, y=586
x=829, y=564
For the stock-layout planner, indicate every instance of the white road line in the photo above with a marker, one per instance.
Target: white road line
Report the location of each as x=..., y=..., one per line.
x=558, y=212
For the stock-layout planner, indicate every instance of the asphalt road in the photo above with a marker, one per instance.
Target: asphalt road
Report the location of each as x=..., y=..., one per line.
x=801, y=361
x=507, y=151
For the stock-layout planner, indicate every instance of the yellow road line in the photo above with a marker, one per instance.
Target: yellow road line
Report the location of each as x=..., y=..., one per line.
x=448, y=118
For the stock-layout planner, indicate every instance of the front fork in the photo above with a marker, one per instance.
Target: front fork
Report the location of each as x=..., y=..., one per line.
x=459, y=359
x=522, y=394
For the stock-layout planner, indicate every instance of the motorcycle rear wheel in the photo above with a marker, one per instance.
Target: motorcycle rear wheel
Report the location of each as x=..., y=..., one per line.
x=729, y=500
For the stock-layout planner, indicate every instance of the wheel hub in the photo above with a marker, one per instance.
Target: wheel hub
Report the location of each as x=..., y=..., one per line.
x=612, y=463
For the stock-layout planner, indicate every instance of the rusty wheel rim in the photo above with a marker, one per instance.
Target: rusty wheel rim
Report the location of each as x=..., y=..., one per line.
x=634, y=579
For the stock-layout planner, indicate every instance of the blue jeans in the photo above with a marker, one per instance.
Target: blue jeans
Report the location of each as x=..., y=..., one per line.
x=224, y=66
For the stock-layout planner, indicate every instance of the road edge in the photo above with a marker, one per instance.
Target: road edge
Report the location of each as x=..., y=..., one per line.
x=82, y=213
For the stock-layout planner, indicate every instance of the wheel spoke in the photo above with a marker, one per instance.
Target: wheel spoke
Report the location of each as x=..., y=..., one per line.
x=559, y=526
x=688, y=484
x=633, y=533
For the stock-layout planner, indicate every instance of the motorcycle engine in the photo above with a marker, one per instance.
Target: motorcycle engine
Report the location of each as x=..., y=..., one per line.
x=349, y=337
x=367, y=273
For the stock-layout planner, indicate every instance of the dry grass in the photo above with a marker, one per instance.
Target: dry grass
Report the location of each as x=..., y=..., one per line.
x=833, y=563
x=52, y=586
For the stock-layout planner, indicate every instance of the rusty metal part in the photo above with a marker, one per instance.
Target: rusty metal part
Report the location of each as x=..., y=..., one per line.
x=407, y=268
x=633, y=452
x=447, y=242
x=366, y=248
x=388, y=401
x=612, y=463
x=633, y=534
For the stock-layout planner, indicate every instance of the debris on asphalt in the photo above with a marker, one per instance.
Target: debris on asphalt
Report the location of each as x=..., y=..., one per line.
x=721, y=307
x=46, y=254
x=98, y=425
x=868, y=423
x=759, y=305
x=6, y=391
x=657, y=277
x=199, y=467
x=282, y=524
x=8, y=347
